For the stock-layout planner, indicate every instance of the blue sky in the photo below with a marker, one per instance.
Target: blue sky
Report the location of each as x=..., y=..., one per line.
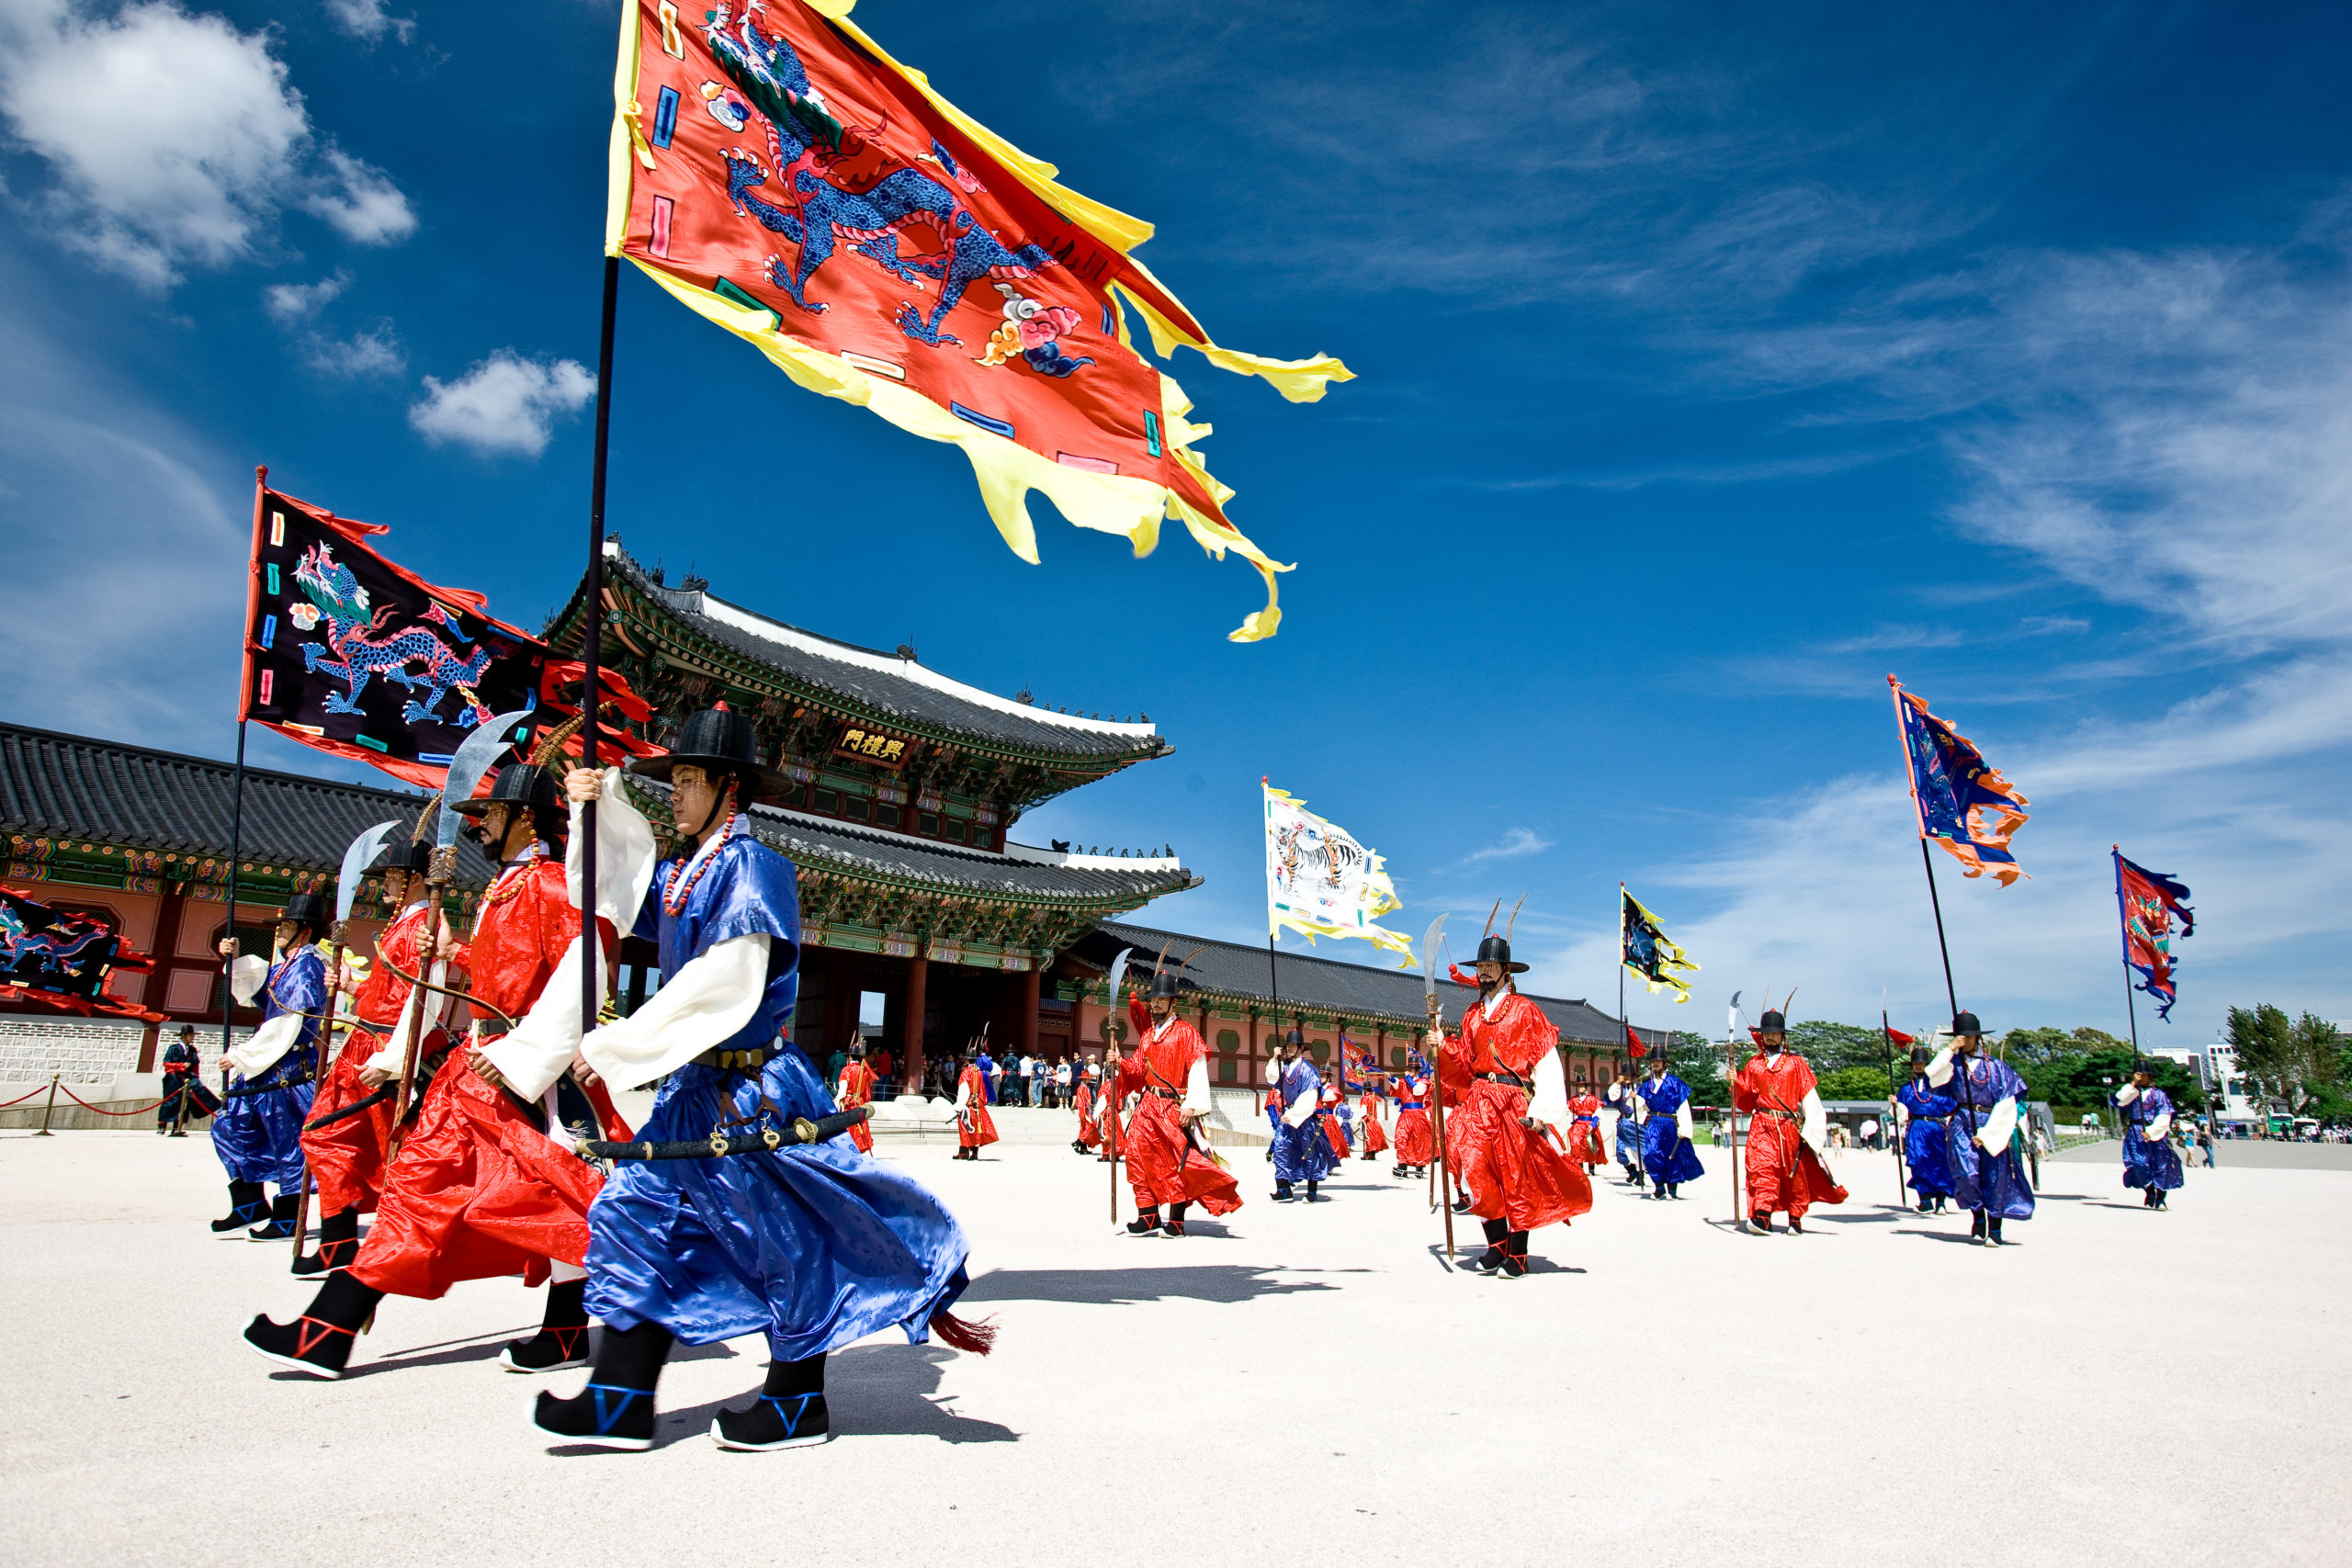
x=1715, y=361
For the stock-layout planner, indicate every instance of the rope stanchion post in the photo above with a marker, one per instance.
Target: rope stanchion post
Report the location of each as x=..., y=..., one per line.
x=49, y=1110
x=102, y=1110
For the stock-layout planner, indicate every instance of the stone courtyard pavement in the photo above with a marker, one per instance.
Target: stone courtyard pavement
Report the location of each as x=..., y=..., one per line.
x=1288, y=1385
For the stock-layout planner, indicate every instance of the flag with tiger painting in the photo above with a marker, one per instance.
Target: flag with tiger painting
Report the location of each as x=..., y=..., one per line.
x=776, y=171
x=2151, y=903
x=1644, y=948
x=1963, y=801
x=1321, y=882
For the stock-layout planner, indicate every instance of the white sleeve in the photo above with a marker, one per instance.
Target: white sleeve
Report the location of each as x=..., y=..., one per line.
x=1940, y=1070
x=625, y=857
x=259, y=1052
x=1613, y=1094
x=2000, y=1122
x=2127, y=1094
x=534, y=1054
x=1813, y=1120
x=1549, y=1103
x=2159, y=1127
x=1302, y=1106
x=1682, y=1118
x=963, y=1094
x=1196, y=1087
x=1274, y=1071
x=245, y=976
x=705, y=1004
x=388, y=1060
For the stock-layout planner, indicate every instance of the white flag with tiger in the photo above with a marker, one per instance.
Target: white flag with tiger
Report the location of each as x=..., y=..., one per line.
x=1321, y=882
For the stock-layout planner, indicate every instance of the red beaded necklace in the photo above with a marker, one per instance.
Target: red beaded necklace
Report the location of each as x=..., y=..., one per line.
x=674, y=897
x=509, y=883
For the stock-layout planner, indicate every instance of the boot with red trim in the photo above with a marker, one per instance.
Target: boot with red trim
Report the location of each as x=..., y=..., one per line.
x=1146, y=1222
x=318, y=1344
x=1514, y=1264
x=562, y=1342
x=615, y=1410
x=339, y=1245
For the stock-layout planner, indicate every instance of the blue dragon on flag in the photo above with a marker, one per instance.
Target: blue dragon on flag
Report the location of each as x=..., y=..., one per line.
x=361, y=646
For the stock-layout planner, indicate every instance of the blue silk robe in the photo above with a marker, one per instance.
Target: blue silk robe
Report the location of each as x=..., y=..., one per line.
x=259, y=1136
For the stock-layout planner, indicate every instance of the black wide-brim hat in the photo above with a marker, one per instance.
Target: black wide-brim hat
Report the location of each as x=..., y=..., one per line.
x=1497, y=950
x=518, y=783
x=408, y=855
x=718, y=740
x=310, y=910
x=1965, y=1023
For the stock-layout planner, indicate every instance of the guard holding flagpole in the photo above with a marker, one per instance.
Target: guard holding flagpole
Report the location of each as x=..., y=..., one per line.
x=1988, y=1175
x=1303, y=1150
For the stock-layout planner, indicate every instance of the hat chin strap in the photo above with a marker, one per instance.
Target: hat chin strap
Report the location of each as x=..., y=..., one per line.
x=719, y=802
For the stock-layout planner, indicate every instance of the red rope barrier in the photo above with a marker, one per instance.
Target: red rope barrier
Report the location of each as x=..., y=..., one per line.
x=134, y=1110
x=22, y=1097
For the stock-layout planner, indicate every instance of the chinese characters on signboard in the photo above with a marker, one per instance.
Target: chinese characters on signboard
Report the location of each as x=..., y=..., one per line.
x=872, y=746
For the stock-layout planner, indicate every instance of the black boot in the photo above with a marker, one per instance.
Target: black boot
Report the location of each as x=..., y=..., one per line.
x=1977, y=1226
x=339, y=1245
x=789, y=1413
x=1760, y=1222
x=1282, y=1190
x=562, y=1340
x=281, y=1225
x=615, y=1410
x=1462, y=1205
x=1514, y=1255
x=1487, y=1262
x=1311, y=1196
x=1796, y=1225
x=1146, y=1222
x=1993, y=1233
x=1174, y=1229
x=318, y=1344
x=247, y=1206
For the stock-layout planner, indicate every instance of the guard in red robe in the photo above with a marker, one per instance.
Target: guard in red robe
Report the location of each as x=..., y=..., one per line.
x=1335, y=1122
x=343, y=1144
x=1786, y=1127
x=1082, y=1101
x=1169, y=1160
x=856, y=1088
x=478, y=1188
x=1416, y=1145
x=975, y=1128
x=1584, y=1129
x=1375, y=1137
x=1505, y=1087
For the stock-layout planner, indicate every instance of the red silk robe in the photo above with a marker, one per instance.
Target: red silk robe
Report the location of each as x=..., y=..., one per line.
x=1165, y=1165
x=1784, y=1172
x=1375, y=1137
x=1416, y=1145
x=347, y=1158
x=1511, y=1173
x=1334, y=1132
x=477, y=1190
x=1584, y=1135
x=857, y=1088
x=1083, y=1103
x=975, y=1128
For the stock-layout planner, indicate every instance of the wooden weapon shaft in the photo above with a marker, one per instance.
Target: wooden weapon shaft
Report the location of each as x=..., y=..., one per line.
x=436, y=880
x=1437, y=1122
x=318, y=1074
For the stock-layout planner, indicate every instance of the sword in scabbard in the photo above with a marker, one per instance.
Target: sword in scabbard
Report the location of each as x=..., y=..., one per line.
x=1437, y=1074
x=362, y=850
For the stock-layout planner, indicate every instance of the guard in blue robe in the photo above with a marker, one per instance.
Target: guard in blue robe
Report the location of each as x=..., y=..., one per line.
x=1926, y=1135
x=1667, y=1153
x=814, y=1245
x=2150, y=1162
x=1302, y=1149
x=258, y=1131
x=1990, y=1181
x=1629, y=1133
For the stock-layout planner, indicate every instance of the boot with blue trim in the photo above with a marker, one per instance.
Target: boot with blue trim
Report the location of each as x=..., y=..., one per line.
x=789, y=1413
x=615, y=1410
x=279, y=1227
x=248, y=1205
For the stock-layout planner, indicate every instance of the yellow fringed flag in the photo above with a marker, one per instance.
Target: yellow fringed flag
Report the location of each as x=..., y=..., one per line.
x=777, y=171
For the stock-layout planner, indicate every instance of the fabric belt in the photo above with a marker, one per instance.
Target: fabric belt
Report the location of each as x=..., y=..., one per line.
x=1511, y=1079
x=1775, y=1112
x=1164, y=1094
x=739, y=1061
x=1414, y=1105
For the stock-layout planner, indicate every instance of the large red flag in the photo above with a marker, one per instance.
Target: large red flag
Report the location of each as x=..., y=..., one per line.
x=776, y=171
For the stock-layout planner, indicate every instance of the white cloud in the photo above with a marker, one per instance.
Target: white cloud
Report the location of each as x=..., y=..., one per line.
x=374, y=353
x=175, y=139
x=367, y=21
x=290, y=302
x=362, y=204
x=505, y=405
x=1516, y=842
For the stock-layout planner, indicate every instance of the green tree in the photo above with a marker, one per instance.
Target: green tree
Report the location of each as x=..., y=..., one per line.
x=1853, y=1083
x=2267, y=1051
x=1829, y=1046
x=2091, y=1077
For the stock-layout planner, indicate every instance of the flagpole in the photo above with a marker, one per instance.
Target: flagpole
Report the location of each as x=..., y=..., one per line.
x=1937, y=904
x=2130, y=1003
x=1920, y=815
x=237, y=808
x=592, y=646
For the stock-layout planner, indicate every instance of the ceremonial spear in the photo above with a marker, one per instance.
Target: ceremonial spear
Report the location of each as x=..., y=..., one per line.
x=362, y=850
x=1437, y=1071
x=1731, y=1112
x=472, y=761
x=1109, y=1078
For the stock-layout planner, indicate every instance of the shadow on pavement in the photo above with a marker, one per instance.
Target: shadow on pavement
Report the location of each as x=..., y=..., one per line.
x=1123, y=1286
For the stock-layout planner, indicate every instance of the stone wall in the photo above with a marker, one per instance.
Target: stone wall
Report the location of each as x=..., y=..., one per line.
x=79, y=1050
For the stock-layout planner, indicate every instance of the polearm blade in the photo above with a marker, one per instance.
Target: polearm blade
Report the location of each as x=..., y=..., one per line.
x=474, y=758
x=1437, y=1075
x=1108, y=1096
x=365, y=848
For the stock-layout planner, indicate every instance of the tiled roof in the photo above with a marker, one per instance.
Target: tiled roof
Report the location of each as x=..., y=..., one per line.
x=55, y=785
x=1329, y=985
x=891, y=686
